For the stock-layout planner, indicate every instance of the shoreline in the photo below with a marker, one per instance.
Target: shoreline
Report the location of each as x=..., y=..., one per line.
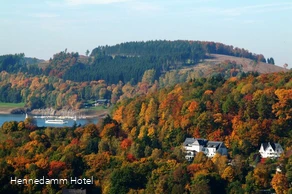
x=87, y=113
x=5, y=111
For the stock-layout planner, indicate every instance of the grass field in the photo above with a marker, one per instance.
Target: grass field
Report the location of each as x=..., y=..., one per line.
x=11, y=105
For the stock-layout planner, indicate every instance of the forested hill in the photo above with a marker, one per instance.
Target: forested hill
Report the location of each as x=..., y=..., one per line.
x=181, y=48
x=19, y=63
x=243, y=112
x=128, y=61
x=121, y=71
x=124, y=62
x=173, y=49
x=139, y=148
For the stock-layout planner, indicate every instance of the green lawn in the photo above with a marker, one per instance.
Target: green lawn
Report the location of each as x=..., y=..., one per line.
x=11, y=105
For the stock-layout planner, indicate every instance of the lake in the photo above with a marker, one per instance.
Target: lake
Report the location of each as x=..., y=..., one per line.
x=41, y=122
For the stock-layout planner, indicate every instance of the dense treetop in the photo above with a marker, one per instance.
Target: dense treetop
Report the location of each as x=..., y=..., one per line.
x=232, y=110
x=139, y=148
x=18, y=63
x=12, y=63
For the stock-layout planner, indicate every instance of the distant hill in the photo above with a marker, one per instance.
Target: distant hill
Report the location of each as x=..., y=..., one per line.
x=14, y=63
x=128, y=61
x=174, y=48
x=33, y=60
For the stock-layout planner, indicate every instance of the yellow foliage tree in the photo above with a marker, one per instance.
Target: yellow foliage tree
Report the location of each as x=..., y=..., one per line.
x=261, y=175
x=141, y=119
x=118, y=114
x=151, y=112
x=151, y=132
x=283, y=108
x=42, y=163
x=220, y=163
x=228, y=174
x=280, y=183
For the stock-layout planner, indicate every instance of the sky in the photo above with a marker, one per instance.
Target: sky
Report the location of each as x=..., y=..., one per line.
x=41, y=28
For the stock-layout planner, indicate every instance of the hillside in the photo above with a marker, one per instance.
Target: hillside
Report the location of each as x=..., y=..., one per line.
x=139, y=148
x=128, y=61
x=121, y=71
x=242, y=113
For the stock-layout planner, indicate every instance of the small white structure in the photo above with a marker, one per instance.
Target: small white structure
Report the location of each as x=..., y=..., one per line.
x=278, y=169
x=210, y=148
x=101, y=102
x=271, y=150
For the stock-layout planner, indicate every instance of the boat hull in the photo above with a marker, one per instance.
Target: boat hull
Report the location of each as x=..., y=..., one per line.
x=57, y=122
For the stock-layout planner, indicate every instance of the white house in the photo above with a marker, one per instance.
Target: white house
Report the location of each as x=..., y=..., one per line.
x=210, y=148
x=192, y=146
x=214, y=147
x=271, y=150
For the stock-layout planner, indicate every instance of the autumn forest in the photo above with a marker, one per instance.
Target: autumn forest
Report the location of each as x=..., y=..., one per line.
x=157, y=100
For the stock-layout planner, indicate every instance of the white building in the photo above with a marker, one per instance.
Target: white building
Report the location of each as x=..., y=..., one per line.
x=271, y=150
x=210, y=148
x=214, y=147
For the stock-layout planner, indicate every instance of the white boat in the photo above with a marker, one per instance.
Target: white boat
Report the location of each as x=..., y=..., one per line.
x=56, y=121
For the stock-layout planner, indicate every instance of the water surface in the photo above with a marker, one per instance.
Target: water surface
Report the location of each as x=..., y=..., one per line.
x=41, y=122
